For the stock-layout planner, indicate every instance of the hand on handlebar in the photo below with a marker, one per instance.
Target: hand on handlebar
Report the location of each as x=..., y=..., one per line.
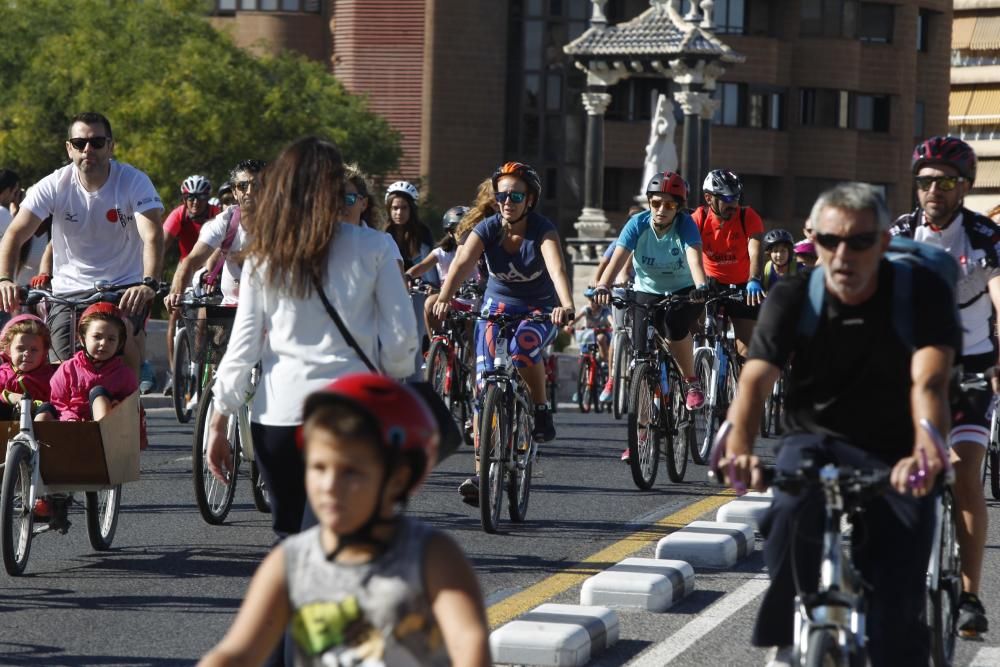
x=699, y=294
x=10, y=297
x=173, y=300
x=755, y=292
x=41, y=281
x=134, y=299
x=602, y=295
x=441, y=308
x=561, y=315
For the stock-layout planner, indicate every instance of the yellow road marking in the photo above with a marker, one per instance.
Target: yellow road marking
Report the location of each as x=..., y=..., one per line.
x=547, y=588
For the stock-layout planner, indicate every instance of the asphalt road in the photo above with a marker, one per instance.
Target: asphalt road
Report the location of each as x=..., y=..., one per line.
x=170, y=586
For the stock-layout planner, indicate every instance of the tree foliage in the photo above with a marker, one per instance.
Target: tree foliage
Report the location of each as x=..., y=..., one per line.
x=181, y=97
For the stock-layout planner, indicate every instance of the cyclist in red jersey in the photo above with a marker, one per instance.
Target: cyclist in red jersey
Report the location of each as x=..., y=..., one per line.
x=183, y=224
x=731, y=246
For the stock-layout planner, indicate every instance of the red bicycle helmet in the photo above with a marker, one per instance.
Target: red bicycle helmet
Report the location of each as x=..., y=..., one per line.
x=668, y=182
x=523, y=171
x=404, y=421
x=948, y=150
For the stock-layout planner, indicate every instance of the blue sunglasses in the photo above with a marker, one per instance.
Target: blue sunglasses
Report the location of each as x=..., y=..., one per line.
x=516, y=197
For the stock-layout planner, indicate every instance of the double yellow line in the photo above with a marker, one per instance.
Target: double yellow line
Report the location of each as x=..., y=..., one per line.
x=531, y=597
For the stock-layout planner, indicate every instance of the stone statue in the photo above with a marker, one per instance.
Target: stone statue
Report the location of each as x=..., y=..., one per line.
x=661, y=154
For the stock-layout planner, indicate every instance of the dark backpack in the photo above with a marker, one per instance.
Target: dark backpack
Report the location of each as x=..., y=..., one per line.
x=904, y=254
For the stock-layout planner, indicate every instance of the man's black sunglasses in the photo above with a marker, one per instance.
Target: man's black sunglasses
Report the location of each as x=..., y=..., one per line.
x=80, y=143
x=856, y=242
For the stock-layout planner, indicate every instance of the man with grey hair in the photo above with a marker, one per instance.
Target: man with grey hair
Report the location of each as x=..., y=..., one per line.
x=856, y=394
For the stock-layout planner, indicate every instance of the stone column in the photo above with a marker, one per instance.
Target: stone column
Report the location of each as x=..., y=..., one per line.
x=708, y=108
x=690, y=102
x=592, y=222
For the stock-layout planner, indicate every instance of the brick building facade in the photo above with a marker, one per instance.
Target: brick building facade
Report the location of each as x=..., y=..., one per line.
x=831, y=90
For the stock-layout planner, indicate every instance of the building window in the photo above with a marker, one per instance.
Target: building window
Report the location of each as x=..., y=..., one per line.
x=730, y=17
x=875, y=22
x=821, y=107
x=729, y=97
x=923, y=22
x=871, y=112
x=918, y=120
x=635, y=99
x=828, y=18
x=765, y=109
x=807, y=191
x=230, y=6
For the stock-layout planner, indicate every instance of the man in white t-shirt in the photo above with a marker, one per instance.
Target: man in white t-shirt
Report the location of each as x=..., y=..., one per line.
x=220, y=239
x=106, y=225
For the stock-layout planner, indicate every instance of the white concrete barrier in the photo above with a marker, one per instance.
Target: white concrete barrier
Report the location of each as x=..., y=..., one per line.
x=555, y=635
x=708, y=544
x=644, y=583
x=749, y=508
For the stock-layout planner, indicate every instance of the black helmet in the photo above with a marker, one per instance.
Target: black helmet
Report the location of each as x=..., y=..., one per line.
x=723, y=183
x=777, y=237
x=452, y=217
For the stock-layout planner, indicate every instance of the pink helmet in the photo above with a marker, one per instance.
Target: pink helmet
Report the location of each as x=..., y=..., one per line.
x=26, y=317
x=805, y=248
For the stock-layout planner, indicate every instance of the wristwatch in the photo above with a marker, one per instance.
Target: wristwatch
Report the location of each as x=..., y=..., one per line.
x=151, y=282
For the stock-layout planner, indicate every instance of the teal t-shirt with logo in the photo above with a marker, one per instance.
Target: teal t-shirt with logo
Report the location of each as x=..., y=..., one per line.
x=660, y=263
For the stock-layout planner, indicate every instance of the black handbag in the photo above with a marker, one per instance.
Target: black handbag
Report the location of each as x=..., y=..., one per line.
x=450, y=435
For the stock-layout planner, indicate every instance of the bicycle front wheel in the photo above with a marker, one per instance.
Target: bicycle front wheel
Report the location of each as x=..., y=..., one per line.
x=519, y=483
x=943, y=595
x=644, y=426
x=17, y=517
x=678, y=431
x=214, y=498
x=493, y=446
x=185, y=377
x=261, y=499
x=705, y=419
x=824, y=649
x=102, y=516
x=583, y=393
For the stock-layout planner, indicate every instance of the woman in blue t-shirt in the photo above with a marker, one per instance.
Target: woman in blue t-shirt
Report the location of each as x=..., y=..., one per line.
x=666, y=253
x=526, y=274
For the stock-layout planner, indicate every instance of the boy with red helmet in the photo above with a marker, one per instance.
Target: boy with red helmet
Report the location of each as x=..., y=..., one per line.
x=366, y=582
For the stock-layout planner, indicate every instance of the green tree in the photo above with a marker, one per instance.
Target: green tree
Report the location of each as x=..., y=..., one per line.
x=181, y=97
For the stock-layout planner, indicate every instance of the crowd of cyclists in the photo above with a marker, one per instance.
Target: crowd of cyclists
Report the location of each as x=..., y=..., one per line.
x=328, y=313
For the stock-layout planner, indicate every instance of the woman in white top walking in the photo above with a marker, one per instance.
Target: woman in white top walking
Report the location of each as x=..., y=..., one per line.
x=296, y=247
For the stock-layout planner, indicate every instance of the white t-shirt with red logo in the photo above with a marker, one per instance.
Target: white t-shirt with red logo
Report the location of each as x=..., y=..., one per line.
x=94, y=234
x=213, y=233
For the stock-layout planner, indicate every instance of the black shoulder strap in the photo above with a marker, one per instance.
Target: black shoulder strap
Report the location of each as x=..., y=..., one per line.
x=743, y=220
x=348, y=338
x=704, y=218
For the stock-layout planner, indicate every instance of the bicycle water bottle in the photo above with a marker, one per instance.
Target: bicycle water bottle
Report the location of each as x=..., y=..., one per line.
x=664, y=381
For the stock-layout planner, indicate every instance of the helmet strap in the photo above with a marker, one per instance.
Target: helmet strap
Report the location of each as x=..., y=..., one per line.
x=365, y=534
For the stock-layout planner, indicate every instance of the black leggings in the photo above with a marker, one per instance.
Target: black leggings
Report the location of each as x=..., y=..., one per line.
x=674, y=323
x=284, y=472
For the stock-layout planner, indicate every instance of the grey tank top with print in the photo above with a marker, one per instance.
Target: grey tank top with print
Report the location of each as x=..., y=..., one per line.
x=368, y=615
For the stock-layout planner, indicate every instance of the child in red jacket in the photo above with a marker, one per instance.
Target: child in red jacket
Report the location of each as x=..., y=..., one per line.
x=95, y=379
x=25, y=367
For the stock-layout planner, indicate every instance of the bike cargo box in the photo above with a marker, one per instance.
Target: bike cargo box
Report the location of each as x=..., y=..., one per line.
x=88, y=456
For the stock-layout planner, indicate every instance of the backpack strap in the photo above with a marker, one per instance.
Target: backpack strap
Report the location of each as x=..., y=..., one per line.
x=703, y=219
x=812, y=308
x=743, y=221
x=902, y=302
x=227, y=243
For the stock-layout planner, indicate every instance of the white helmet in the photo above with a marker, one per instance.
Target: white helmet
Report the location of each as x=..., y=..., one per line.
x=723, y=183
x=402, y=187
x=196, y=185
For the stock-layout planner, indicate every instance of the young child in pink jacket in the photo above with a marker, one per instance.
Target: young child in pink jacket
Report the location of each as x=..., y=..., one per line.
x=96, y=378
x=24, y=362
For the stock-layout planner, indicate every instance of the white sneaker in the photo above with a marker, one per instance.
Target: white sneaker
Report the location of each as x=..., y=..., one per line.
x=781, y=656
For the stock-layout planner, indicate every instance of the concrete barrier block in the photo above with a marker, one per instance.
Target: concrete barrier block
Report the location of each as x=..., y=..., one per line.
x=745, y=510
x=555, y=635
x=708, y=544
x=644, y=583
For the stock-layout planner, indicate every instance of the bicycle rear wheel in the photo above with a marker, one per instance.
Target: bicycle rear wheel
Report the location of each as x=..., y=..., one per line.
x=17, y=517
x=493, y=443
x=185, y=377
x=824, y=650
x=214, y=498
x=943, y=596
x=437, y=369
x=705, y=419
x=619, y=375
x=519, y=482
x=261, y=499
x=644, y=426
x=678, y=430
x=583, y=393
x=102, y=516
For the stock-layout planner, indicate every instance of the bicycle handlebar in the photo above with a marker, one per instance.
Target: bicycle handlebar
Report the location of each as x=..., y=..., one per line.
x=103, y=291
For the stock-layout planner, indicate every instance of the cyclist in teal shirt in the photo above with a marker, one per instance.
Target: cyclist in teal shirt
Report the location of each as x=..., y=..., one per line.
x=666, y=253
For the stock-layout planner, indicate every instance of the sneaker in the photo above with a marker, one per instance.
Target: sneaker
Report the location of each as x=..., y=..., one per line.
x=607, y=392
x=545, y=430
x=695, y=396
x=43, y=509
x=469, y=490
x=575, y=398
x=781, y=656
x=168, y=388
x=971, y=617
x=147, y=378
x=625, y=455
